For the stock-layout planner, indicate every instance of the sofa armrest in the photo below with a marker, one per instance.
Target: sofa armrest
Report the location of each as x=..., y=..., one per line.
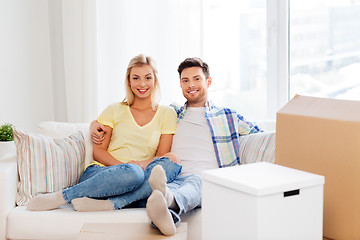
x=258, y=147
x=8, y=181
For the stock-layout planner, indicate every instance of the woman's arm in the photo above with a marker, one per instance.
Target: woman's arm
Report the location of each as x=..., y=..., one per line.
x=100, y=152
x=164, y=144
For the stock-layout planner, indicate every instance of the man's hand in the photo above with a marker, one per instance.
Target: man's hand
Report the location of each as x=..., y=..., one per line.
x=97, y=132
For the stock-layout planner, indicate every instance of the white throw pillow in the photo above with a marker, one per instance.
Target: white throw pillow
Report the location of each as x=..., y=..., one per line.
x=46, y=164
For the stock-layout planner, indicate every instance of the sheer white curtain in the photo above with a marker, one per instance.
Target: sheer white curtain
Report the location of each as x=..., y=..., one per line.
x=93, y=41
x=127, y=28
x=73, y=58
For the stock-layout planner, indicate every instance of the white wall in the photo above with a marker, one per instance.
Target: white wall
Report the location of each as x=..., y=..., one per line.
x=25, y=67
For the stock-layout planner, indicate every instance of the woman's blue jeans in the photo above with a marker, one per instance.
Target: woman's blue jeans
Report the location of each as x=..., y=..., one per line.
x=122, y=184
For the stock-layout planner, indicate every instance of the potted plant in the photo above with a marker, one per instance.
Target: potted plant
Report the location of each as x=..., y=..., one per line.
x=6, y=139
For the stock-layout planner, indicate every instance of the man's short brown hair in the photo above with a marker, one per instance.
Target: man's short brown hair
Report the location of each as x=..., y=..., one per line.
x=194, y=62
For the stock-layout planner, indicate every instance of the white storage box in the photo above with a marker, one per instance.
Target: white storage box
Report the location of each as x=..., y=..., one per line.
x=262, y=201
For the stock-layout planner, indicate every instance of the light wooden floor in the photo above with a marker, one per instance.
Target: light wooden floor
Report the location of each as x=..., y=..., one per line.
x=128, y=231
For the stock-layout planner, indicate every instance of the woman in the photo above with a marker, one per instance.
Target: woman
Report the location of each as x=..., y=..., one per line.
x=138, y=136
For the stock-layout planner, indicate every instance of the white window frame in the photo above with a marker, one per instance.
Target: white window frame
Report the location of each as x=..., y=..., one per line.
x=277, y=55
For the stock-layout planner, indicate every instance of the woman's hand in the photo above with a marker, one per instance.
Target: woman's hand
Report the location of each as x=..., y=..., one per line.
x=97, y=131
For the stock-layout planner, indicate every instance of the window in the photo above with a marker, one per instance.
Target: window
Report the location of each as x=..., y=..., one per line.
x=234, y=45
x=325, y=48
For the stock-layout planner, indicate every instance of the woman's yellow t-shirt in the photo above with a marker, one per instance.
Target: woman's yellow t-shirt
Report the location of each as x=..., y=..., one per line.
x=129, y=141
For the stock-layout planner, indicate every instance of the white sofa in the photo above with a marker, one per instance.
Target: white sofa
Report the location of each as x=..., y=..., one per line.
x=18, y=223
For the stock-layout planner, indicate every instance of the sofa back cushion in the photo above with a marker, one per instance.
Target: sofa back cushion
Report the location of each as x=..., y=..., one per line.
x=258, y=147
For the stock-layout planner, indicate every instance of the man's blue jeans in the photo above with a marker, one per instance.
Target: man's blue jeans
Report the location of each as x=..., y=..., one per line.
x=187, y=194
x=122, y=184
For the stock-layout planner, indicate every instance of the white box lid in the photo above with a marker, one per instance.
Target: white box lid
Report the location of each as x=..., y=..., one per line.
x=262, y=178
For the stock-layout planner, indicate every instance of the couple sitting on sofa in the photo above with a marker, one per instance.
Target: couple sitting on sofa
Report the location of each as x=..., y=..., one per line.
x=137, y=157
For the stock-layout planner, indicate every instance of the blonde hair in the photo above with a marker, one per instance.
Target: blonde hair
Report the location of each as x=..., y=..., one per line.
x=139, y=61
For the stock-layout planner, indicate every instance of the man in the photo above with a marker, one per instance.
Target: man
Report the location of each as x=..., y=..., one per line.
x=207, y=137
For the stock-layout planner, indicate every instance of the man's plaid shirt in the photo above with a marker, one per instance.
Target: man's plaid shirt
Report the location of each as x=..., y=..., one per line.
x=226, y=126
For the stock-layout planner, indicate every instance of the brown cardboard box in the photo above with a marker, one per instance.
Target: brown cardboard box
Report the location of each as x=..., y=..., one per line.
x=322, y=136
